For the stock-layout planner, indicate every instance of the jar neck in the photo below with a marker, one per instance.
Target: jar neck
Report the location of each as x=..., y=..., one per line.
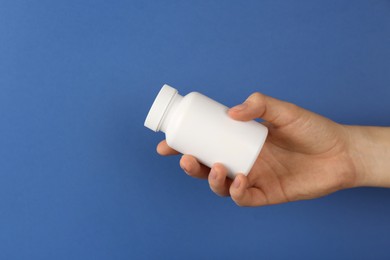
x=170, y=111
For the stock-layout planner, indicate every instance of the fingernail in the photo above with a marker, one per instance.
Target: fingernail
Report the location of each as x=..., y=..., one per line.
x=240, y=107
x=184, y=169
x=213, y=174
x=236, y=183
x=182, y=165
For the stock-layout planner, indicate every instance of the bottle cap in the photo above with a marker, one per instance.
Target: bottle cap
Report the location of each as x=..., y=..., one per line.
x=160, y=105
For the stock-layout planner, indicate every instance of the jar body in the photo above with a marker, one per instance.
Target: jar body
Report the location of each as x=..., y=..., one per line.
x=201, y=127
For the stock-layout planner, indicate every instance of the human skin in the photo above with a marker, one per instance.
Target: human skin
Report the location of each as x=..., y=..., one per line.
x=305, y=156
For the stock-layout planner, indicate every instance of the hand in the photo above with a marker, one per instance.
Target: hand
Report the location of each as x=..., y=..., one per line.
x=305, y=156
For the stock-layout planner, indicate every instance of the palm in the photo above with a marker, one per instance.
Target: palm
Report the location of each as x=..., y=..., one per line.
x=299, y=166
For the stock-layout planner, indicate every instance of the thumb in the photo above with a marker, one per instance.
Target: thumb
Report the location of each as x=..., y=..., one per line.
x=277, y=112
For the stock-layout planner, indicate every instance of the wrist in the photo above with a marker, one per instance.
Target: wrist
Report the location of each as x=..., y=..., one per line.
x=369, y=151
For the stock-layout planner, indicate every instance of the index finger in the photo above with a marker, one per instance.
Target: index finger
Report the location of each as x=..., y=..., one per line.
x=277, y=112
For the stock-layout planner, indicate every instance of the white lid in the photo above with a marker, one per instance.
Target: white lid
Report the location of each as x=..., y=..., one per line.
x=160, y=104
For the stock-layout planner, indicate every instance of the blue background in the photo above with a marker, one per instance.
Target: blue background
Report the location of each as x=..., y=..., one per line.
x=79, y=175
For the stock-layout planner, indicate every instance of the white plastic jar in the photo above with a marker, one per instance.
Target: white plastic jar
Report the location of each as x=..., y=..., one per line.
x=199, y=126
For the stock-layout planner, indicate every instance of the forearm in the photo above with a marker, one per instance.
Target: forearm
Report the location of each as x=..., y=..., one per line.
x=369, y=149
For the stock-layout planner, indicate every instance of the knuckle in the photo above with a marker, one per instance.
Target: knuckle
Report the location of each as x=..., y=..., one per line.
x=195, y=173
x=222, y=194
x=218, y=189
x=190, y=173
x=238, y=199
x=215, y=188
x=257, y=97
x=218, y=186
x=240, y=203
x=257, y=103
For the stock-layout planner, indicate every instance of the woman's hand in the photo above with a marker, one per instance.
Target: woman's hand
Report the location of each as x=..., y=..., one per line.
x=305, y=156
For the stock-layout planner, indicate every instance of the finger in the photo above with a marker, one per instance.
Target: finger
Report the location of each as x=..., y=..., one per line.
x=193, y=168
x=277, y=112
x=218, y=182
x=164, y=149
x=243, y=195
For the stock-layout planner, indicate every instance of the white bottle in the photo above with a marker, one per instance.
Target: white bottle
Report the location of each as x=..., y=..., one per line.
x=199, y=126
